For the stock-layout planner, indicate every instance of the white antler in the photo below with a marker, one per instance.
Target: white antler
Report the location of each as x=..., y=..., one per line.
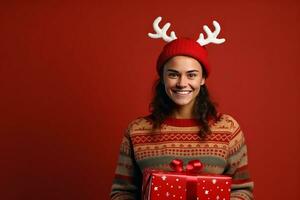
x=211, y=36
x=162, y=33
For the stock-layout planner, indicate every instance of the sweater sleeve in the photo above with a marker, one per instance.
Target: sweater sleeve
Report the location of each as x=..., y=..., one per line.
x=126, y=184
x=242, y=185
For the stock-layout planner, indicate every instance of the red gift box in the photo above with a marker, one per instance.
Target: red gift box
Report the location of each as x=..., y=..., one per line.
x=185, y=185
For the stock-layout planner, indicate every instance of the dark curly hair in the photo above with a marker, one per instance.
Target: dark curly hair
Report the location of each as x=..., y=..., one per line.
x=162, y=106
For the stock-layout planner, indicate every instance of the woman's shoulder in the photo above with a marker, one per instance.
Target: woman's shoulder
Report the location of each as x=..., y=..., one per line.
x=142, y=123
x=226, y=122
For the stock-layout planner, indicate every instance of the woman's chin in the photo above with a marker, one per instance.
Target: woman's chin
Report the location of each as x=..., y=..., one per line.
x=181, y=102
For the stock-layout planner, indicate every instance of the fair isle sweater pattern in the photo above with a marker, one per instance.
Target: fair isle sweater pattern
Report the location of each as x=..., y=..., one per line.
x=223, y=151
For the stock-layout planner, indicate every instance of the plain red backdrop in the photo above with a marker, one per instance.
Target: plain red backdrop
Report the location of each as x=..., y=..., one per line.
x=73, y=74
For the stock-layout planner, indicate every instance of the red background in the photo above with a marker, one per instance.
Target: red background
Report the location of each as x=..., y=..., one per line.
x=74, y=74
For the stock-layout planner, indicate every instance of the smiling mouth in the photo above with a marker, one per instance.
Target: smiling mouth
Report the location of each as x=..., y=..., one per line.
x=182, y=92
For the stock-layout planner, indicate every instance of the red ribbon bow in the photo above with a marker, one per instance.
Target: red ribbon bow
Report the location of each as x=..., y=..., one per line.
x=193, y=166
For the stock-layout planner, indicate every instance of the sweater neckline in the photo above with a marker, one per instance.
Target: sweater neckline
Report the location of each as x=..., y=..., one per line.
x=181, y=122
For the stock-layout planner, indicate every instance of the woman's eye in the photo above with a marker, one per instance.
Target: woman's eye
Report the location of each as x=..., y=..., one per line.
x=192, y=75
x=173, y=75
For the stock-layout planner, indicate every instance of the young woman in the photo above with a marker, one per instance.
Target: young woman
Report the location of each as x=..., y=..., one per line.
x=183, y=124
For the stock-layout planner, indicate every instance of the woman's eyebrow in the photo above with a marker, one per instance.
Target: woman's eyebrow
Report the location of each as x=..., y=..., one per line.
x=173, y=70
x=192, y=71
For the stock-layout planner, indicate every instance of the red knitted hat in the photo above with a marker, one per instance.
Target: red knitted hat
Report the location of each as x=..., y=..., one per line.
x=183, y=47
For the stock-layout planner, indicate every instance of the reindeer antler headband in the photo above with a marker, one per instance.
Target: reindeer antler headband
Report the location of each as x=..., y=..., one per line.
x=184, y=46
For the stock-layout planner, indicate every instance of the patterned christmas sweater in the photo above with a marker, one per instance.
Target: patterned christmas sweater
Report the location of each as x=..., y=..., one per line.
x=223, y=151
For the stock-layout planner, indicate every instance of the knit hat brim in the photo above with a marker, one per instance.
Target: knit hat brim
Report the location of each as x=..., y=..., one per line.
x=183, y=47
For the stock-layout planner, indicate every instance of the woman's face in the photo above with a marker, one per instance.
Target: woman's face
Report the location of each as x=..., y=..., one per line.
x=183, y=78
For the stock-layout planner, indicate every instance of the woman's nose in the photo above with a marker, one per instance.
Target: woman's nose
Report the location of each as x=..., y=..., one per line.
x=182, y=82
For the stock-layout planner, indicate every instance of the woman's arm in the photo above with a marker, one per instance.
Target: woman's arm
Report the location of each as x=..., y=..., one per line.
x=126, y=184
x=242, y=185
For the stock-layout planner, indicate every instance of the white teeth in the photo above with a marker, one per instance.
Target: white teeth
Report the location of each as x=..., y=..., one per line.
x=182, y=92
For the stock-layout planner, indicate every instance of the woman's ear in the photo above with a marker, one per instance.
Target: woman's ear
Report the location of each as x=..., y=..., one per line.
x=202, y=81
